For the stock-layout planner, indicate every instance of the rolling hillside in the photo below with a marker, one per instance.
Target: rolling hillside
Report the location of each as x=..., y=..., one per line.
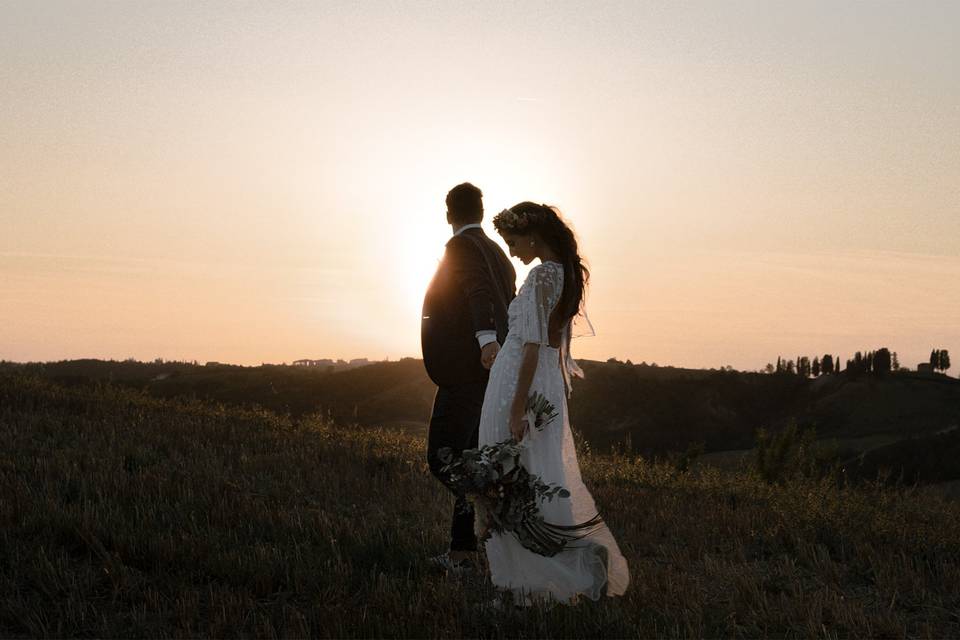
x=128, y=515
x=637, y=408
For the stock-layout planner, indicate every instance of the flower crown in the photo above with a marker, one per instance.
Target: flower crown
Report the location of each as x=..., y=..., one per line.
x=512, y=221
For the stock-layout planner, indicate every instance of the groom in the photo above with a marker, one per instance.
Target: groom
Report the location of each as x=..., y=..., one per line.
x=464, y=322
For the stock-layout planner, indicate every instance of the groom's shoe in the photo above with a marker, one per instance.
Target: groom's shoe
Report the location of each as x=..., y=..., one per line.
x=444, y=562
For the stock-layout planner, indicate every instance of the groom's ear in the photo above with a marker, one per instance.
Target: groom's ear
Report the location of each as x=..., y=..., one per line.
x=449, y=221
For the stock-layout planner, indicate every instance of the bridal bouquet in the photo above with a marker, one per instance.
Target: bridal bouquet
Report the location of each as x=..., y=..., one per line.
x=505, y=497
x=540, y=412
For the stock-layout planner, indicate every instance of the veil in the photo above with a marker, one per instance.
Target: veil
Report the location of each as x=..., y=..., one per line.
x=578, y=327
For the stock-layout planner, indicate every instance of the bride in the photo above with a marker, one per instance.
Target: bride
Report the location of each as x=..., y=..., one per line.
x=535, y=357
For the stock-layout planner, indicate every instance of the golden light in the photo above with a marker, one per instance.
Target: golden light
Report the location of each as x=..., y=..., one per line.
x=505, y=173
x=419, y=249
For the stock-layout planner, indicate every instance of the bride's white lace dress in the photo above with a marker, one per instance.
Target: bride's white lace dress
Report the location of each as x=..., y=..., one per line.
x=594, y=566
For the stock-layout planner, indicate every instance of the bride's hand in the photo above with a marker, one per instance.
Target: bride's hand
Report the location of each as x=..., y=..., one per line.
x=489, y=353
x=518, y=426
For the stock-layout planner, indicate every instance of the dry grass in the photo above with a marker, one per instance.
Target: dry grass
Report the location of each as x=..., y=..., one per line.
x=124, y=515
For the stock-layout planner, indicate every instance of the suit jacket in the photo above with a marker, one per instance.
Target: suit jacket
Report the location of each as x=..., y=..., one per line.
x=465, y=297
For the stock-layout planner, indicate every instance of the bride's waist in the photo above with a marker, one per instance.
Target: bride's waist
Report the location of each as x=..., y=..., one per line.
x=515, y=338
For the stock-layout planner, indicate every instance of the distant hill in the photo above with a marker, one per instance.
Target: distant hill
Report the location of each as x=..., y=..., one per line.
x=378, y=393
x=646, y=409
x=664, y=408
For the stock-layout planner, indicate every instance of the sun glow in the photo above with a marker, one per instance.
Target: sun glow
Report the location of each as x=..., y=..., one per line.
x=419, y=252
x=505, y=175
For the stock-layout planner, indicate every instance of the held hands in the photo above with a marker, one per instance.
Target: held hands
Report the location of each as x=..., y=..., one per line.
x=489, y=353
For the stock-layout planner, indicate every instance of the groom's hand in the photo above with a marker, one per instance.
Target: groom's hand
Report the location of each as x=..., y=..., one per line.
x=489, y=353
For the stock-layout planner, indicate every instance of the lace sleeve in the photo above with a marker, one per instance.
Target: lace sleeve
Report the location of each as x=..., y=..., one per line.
x=543, y=288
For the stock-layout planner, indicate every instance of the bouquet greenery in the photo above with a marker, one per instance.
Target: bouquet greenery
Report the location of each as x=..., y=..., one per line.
x=540, y=412
x=506, y=496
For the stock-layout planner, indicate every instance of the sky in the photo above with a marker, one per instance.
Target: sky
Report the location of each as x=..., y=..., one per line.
x=257, y=182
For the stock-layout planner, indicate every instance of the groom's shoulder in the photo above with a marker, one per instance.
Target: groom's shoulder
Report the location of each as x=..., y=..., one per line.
x=472, y=243
x=461, y=248
x=457, y=243
x=471, y=239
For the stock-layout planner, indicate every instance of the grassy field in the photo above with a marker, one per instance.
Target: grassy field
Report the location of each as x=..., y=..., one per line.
x=127, y=515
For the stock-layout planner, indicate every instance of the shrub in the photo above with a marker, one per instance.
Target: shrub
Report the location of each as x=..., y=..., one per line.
x=779, y=457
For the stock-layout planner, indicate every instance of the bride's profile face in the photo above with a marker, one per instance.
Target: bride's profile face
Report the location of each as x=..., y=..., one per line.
x=520, y=247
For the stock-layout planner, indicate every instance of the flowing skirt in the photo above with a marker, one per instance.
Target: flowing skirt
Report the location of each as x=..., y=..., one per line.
x=594, y=565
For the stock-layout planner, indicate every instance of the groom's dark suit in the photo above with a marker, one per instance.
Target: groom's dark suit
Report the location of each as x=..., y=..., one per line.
x=469, y=293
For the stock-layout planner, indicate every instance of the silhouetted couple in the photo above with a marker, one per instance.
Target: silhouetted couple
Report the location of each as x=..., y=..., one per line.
x=488, y=348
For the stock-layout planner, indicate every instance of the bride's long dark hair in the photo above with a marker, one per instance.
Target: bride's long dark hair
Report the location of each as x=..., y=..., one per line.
x=546, y=222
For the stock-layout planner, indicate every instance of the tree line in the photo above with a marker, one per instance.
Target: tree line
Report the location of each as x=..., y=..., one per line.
x=940, y=359
x=806, y=367
x=879, y=362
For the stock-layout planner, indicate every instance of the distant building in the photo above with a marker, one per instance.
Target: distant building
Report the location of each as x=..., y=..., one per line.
x=326, y=362
x=925, y=367
x=332, y=365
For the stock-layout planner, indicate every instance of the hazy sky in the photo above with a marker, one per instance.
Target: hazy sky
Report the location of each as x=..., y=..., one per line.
x=262, y=182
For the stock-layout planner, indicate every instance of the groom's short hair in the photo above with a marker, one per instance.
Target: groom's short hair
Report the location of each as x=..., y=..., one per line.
x=465, y=204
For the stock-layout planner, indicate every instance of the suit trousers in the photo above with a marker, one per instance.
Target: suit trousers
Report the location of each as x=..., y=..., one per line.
x=455, y=423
